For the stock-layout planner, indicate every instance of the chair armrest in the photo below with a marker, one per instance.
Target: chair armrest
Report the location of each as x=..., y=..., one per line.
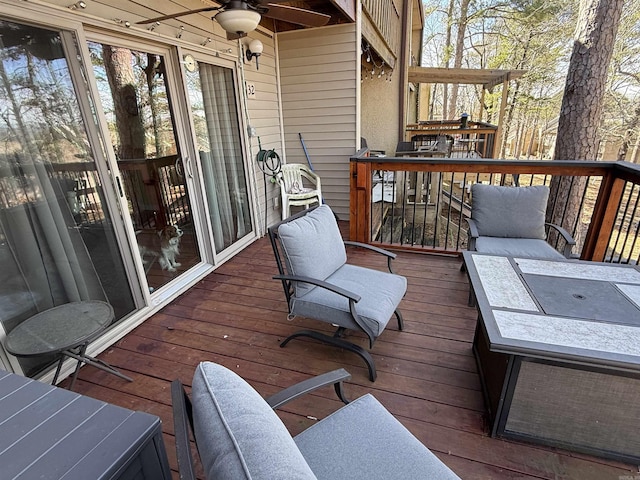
x=320, y=283
x=382, y=251
x=390, y=255
x=570, y=242
x=335, y=378
x=473, y=228
x=473, y=234
x=352, y=297
x=183, y=424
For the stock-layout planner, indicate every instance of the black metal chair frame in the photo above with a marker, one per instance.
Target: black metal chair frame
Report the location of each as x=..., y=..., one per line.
x=336, y=340
x=183, y=412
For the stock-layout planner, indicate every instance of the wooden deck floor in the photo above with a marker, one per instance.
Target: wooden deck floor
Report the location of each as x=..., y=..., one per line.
x=427, y=374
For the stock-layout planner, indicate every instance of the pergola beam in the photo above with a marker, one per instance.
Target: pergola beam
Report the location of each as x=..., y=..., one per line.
x=463, y=76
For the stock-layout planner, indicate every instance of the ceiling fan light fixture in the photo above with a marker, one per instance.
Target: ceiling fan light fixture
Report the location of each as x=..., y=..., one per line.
x=238, y=20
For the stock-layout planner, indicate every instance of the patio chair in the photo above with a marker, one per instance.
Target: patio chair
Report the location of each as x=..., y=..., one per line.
x=319, y=283
x=511, y=221
x=372, y=153
x=299, y=186
x=239, y=436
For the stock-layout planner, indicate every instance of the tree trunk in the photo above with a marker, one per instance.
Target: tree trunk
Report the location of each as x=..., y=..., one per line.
x=457, y=61
x=447, y=60
x=628, y=135
x=129, y=125
x=581, y=111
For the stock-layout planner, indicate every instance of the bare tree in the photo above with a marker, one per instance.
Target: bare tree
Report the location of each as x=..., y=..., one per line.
x=462, y=22
x=117, y=64
x=581, y=110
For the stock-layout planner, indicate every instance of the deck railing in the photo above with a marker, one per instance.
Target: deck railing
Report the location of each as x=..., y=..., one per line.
x=421, y=204
x=155, y=191
x=386, y=20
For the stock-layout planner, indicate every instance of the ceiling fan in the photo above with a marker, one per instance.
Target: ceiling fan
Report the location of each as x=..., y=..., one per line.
x=238, y=17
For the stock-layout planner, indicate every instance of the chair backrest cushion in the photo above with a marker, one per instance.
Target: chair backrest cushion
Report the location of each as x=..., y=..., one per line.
x=238, y=435
x=513, y=212
x=312, y=246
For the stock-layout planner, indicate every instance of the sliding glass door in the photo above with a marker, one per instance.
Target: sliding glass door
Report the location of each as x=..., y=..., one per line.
x=112, y=207
x=214, y=113
x=57, y=238
x=137, y=101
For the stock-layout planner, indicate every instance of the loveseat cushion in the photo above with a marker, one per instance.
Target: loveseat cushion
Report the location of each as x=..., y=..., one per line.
x=313, y=246
x=514, y=212
x=380, y=294
x=238, y=435
x=517, y=247
x=363, y=441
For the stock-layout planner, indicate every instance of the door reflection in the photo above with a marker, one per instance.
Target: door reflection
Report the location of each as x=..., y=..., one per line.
x=137, y=104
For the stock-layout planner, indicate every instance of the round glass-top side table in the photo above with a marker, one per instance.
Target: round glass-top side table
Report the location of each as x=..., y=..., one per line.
x=65, y=330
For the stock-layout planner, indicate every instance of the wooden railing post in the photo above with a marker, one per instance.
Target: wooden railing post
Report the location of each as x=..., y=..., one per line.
x=603, y=219
x=360, y=199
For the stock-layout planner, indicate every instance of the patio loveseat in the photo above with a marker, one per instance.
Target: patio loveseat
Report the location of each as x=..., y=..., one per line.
x=239, y=436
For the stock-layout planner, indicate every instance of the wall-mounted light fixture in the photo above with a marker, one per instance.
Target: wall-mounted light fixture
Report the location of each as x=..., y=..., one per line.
x=254, y=49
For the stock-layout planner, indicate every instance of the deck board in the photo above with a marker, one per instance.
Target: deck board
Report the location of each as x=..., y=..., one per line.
x=427, y=374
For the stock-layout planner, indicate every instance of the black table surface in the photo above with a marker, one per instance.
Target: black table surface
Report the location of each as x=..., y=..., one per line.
x=50, y=433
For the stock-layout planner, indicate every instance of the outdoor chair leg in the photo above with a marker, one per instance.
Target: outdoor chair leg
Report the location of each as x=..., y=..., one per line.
x=400, y=320
x=336, y=342
x=472, y=297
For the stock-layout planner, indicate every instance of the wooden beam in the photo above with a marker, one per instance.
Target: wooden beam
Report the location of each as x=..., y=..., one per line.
x=463, y=76
x=503, y=107
x=347, y=7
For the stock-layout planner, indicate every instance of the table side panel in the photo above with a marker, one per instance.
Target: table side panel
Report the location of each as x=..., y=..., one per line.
x=494, y=371
x=600, y=411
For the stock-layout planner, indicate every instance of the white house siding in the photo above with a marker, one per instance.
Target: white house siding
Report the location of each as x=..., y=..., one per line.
x=318, y=80
x=264, y=115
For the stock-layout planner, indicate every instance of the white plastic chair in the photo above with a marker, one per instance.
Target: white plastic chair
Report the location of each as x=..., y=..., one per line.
x=299, y=186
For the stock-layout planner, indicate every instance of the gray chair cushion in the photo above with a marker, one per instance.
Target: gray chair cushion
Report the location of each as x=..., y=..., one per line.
x=380, y=292
x=238, y=435
x=313, y=246
x=363, y=440
x=514, y=212
x=517, y=247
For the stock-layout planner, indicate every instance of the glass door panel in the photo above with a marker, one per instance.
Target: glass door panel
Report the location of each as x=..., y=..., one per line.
x=215, y=117
x=137, y=103
x=57, y=240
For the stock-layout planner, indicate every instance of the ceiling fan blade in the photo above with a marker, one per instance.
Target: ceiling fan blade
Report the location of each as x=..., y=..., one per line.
x=296, y=15
x=174, y=15
x=235, y=36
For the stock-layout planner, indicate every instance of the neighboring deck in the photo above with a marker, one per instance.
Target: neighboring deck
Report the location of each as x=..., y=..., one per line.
x=427, y=374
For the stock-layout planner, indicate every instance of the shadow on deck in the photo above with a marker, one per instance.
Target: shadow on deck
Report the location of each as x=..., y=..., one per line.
x=427, y=374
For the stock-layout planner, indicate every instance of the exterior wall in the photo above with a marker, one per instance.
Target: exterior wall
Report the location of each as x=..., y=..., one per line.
x=381, y=111
x=382, y=98
x=263, y=113
x=318, y=77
